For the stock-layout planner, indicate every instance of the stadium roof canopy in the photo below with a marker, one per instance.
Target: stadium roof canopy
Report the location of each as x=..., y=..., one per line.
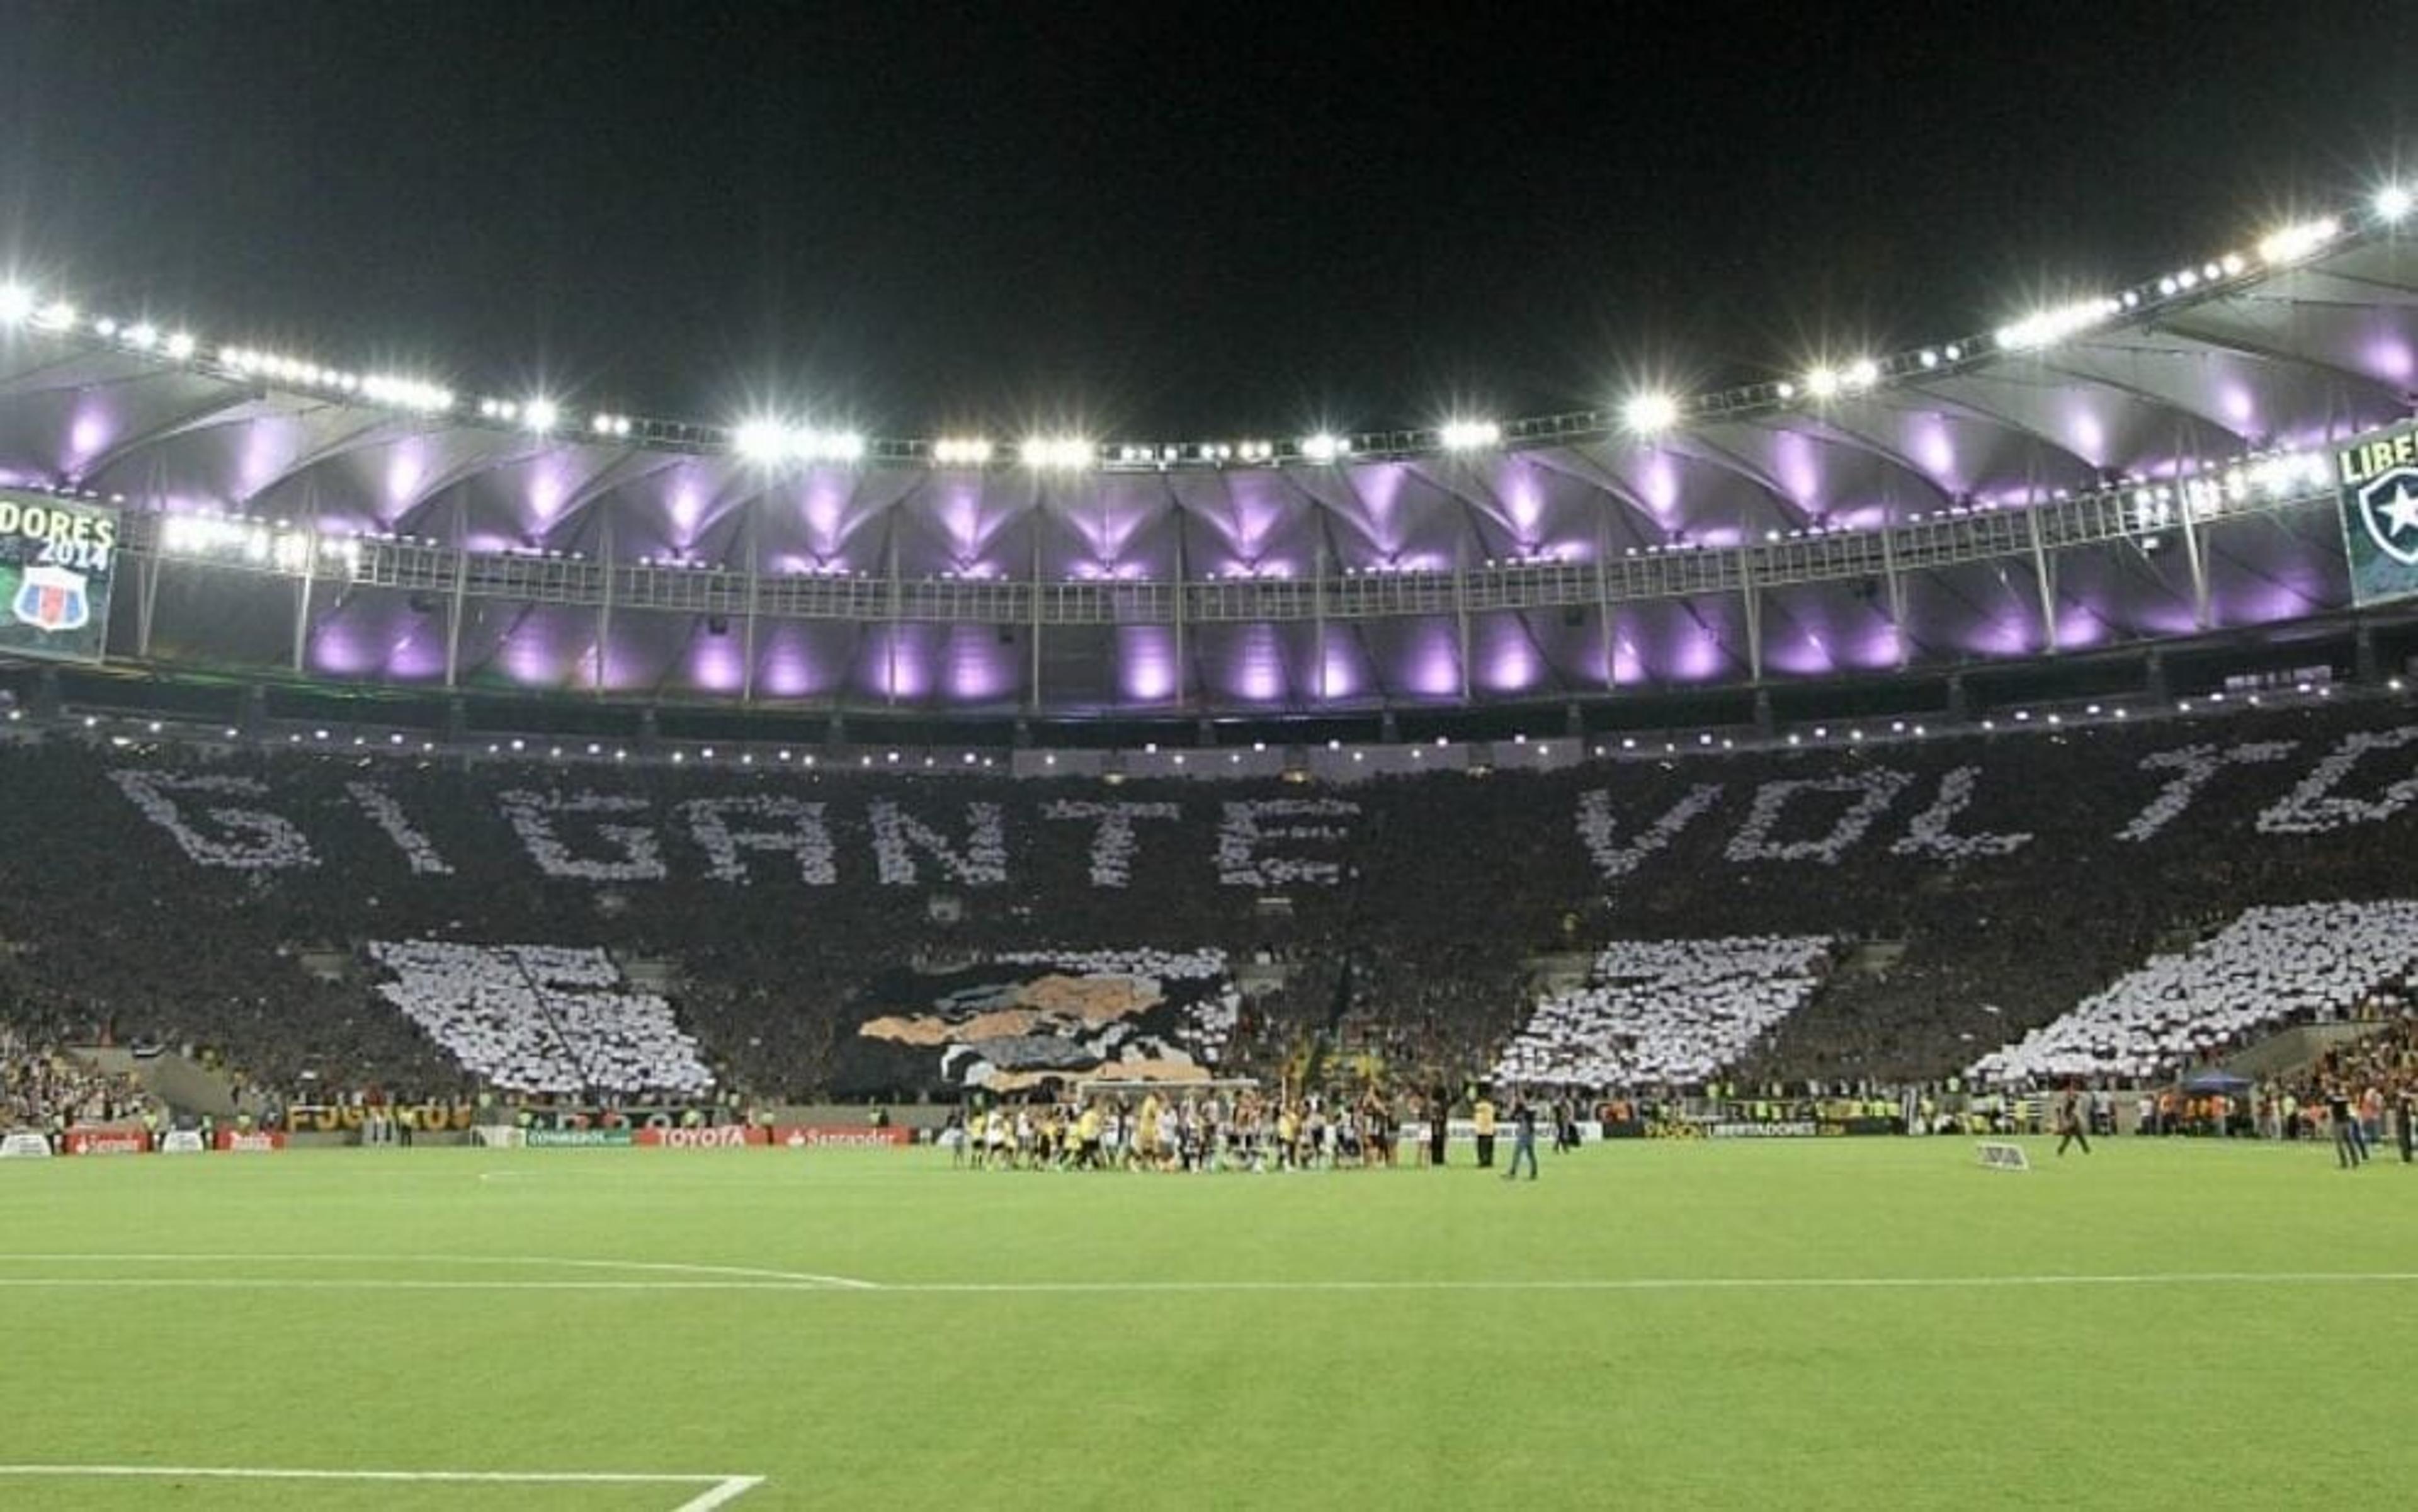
x=2146, y=462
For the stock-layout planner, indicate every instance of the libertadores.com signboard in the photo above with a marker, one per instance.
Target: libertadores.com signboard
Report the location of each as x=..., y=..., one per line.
x=2376, y=476
x=58, y=560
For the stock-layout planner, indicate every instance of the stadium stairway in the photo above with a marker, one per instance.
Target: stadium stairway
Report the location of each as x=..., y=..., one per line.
x=2288, y=1052
x=184, y=1085
x=1553, y=973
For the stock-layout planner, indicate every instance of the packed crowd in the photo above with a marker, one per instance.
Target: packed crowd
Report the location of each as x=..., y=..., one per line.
x=1972, y=890
x=42, y=1086
x=2273, y=965
x=1666, y=1013
x=2373, y=1079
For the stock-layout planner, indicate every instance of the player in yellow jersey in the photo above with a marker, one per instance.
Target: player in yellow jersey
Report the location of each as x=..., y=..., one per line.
x=1145, y=1140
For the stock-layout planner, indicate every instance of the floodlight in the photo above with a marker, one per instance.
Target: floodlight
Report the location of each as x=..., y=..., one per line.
x=2287, y=244
x=1056, y=452
x=760, y=440
x=1647, y=413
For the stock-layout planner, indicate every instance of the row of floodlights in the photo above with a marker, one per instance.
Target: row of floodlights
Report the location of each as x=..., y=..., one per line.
x=771, y=442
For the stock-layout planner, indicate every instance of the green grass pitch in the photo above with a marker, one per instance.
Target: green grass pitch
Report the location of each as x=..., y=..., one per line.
x=1665, y=1324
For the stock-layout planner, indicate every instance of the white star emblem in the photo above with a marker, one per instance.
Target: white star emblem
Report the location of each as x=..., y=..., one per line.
x=2401, y=509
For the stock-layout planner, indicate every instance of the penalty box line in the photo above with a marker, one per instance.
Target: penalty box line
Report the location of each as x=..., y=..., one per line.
x=719, y=1490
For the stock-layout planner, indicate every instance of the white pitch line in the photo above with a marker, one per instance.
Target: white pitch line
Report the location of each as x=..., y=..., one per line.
x=731, y=1490
x=1597, y=1283
x=664, y=1267
x=1667, y=1283
x=719, y=1489
x=316, y=1283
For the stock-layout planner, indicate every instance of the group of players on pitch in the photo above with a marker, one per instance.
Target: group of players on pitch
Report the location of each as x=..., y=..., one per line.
x=1246, y=1132
x=1249, y=1131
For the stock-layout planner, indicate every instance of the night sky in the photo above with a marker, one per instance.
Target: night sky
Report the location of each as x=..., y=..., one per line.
x=1177, y=222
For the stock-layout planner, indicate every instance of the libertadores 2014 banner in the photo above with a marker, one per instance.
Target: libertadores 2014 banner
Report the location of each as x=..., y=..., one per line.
x=2378, y=475
x=58, y=558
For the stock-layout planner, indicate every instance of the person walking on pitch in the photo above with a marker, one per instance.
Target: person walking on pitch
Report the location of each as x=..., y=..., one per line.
x=2069, y=1124
x=2350, y=1152
x=1523, y=1138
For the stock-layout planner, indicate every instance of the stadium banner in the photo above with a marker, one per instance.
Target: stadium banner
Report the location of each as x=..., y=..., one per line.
x=860, y=1136
x=2377, y=478
x=1622, y=1129
x=250, y=1141
x=81, y=1140
x=181, y=1142
x=331, y=1118
x=1802, y=1128
x=579, y=1139
x=25, y=1145
x=1793, y=1128
x=1461, y=1131
x=1032, y=1021
x=597, y=1116
x=57, y=557
x=717, y=1137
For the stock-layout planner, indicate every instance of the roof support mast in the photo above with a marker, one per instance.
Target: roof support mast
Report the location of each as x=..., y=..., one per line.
x=749, y=534
x=147, y=565
x=897, y=612
x=1318, y=623
x=2043, y=577
x=1175, y=594
x=1461, y=613
x=1749, y=596
x=310, y=572
x=1893, y=583
x=461, y=593
x=1032, y=632
x=1603, y=602
x=603, y=605
x=2195, y=552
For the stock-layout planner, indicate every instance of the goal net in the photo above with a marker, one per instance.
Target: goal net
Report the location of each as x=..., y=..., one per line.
x=1998, y=1155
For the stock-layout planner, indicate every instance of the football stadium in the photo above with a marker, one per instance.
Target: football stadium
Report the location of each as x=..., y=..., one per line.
x=1847, y=936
